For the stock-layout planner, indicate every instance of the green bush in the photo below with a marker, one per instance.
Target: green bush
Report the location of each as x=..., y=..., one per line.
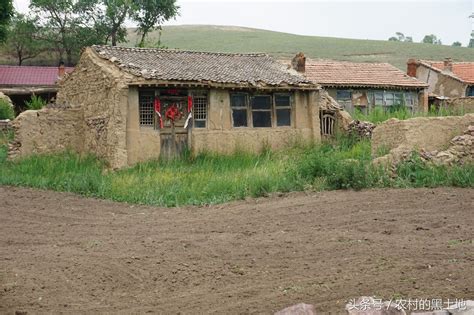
x=35, y=103
x=6, y=110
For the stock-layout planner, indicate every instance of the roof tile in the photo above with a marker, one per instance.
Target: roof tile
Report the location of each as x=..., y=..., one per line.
x=462, y=70
x=164, y=64
x=339, y=73
x=29, y=76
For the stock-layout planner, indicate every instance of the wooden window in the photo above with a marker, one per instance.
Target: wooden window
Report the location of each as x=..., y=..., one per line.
x=389, y=99
x=378, y=99
x=410, y=99
x=146, y=108
x=283, y=109
x=239, y=103
x=344, y=98
x=262, y=111
x=200, y=110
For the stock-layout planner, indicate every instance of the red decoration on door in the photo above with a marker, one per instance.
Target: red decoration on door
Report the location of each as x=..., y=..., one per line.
x=190, y=103
x=158, y=111
x=172, y=113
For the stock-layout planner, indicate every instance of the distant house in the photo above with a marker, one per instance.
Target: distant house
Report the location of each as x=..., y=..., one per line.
x=21, y=82
x=128, y=105
x=364, y=86
x=446, y=79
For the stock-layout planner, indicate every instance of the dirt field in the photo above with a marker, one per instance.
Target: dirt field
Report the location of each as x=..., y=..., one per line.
x=62, y=253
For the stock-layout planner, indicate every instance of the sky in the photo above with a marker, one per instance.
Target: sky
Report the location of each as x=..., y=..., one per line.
x=448, y=19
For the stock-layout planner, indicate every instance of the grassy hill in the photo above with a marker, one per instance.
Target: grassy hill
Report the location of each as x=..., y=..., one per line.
x=240, y=39
x=284, y=45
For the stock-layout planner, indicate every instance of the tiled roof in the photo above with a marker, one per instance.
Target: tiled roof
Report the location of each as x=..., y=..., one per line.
x=29, y=76
x=176, y=65
x=463, y=71
x=348, y=74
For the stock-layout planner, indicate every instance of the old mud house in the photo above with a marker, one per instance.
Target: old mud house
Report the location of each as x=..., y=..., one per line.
x=450, y=83
x=364, y=86
x=129, y=105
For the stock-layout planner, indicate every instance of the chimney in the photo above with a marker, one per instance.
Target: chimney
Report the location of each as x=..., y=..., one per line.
x=448, y=65
x=412, y=65
x=61, y=70
x=299, y=62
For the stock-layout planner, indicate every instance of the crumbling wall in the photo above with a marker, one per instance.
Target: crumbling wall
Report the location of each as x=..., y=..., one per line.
x=101, y=90
x=400, y=137
x=440, y=83
x=46, y=131
x=461, y=104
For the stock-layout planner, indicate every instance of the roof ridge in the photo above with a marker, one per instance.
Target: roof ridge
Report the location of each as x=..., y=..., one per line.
x=162, y=50
x=348, y=62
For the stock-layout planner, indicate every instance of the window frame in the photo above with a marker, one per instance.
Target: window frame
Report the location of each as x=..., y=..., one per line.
x=203, y=94
x=273, y=109
x=153, y=119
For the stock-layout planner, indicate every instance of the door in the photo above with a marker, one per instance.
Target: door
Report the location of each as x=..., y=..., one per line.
x=174, y=110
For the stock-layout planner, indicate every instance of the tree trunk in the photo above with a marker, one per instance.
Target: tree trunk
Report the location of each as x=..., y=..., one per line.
x=114, y=38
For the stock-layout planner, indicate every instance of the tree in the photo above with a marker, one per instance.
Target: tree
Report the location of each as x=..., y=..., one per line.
x=116, y=12
x=6, y=12
x=22, y=40
x=431, y=39
x=150, y=14
x=401, y=38
x=456, y=44
x=69, y=25
x=471, y=42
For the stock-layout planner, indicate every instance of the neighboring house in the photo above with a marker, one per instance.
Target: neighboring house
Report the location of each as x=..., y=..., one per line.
x=446, y=79
x=132, y=104
x=364, y=86
x=21, y=82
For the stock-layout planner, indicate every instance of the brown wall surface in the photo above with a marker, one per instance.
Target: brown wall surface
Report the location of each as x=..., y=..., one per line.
x=100, y=89
x=46, y=131
x=462, y=104
x=441, y=84
x=428, y=133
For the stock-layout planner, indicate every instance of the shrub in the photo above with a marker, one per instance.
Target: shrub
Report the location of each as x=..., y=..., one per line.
x=35, y=103
x=6, y=110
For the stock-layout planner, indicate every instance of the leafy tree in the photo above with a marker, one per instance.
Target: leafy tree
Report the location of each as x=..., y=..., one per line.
x=6, y=12
x=69, y=25
x=456, y=44
x=431, y=39
x=401, y=38
x=22, y=40
x=150, y=14
x=471, y=42
x=113, y=19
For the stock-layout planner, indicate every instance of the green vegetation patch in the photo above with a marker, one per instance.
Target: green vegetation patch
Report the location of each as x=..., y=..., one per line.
x=207, y=178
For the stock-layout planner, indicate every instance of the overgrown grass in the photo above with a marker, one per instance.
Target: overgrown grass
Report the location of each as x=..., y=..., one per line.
x=378, y=115
x=209, y=178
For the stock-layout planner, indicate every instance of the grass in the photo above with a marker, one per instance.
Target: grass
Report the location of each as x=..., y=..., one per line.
x=210, y=178
x=378, y=115
x=284, y=45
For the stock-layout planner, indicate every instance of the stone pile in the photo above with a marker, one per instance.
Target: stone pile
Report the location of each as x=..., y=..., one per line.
x=460, y=151
x=362, y=129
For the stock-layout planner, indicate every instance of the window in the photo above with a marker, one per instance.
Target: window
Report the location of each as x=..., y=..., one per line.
x=398, y=99
x=145, y=107
x=283, y=109
x=344, y=98
x=389, y=99
x=199, y=110
x=470, y=90
x=378, y=99
x=238, y=102
x=262, y=111
x=410, y=99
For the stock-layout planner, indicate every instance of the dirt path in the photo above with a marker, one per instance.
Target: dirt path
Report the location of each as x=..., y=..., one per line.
x=60, y=252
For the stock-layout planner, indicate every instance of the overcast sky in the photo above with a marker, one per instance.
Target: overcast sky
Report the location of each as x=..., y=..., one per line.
x=448, y=19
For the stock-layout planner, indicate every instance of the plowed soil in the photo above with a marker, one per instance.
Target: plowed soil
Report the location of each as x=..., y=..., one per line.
x=64, y=253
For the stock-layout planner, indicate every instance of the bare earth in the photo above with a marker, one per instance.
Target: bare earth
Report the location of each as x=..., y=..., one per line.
x=62, y=253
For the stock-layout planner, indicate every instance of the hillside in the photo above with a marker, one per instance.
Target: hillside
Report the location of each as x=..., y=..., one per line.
x=284, y=45
x=240, y=39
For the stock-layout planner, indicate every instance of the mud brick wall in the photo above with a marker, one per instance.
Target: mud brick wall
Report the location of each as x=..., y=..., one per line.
x=464, y=104
x=46, y=131
x=100, y=90
x=422, y=133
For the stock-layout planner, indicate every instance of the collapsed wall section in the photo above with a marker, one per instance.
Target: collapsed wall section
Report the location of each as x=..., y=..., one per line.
x=46, y=131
